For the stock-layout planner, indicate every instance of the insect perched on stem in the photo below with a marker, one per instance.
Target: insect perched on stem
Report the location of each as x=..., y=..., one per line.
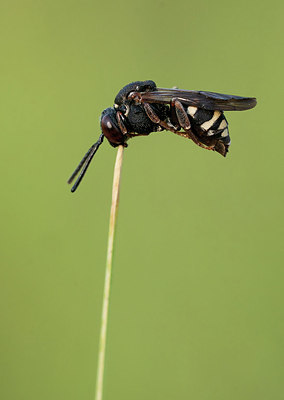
x=141, y=108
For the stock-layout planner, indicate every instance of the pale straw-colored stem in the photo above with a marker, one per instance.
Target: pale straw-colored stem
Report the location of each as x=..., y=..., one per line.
x=106, y=296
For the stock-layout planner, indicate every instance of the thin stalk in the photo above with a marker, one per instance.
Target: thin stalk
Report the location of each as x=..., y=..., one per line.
x=106, y=296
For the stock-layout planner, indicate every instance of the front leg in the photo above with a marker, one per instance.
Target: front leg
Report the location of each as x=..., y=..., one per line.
x=119, y=118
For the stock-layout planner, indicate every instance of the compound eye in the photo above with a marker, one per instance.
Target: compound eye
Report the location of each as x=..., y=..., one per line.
x=111, y=132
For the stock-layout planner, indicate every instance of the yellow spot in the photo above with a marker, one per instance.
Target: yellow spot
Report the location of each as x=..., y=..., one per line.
x=191, y=110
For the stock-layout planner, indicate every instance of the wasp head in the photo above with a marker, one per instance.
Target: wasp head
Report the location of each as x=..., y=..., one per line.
x=110, y=127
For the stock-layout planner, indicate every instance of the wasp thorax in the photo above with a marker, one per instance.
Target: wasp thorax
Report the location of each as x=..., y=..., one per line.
x=110, y=128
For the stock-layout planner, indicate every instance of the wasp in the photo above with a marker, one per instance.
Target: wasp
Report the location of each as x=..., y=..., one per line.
x=141, y=108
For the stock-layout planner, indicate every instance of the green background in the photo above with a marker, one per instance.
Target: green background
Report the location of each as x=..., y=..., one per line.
x=197, y=293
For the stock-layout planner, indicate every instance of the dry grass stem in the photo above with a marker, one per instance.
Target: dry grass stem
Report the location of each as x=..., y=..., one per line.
x=106, y=295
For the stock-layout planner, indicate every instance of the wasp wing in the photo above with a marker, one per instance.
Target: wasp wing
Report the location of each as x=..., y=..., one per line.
x=200, y=99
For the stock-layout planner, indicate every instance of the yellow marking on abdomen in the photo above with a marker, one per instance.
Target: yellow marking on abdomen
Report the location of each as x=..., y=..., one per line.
x=207, y=124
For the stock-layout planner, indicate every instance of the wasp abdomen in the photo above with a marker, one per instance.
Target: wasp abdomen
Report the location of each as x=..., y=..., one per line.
x=210, y=123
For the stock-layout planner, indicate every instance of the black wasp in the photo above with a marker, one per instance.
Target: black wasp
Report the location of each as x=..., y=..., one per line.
x=141, y=108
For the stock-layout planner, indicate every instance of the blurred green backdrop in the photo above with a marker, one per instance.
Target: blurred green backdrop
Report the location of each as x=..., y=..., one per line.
x=197, y=296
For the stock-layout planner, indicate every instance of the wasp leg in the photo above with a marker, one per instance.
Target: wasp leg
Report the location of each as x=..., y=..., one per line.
x=184, y=122
x=182, y=116
x=154, y=118
x=120, y=122
x=136, y=96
